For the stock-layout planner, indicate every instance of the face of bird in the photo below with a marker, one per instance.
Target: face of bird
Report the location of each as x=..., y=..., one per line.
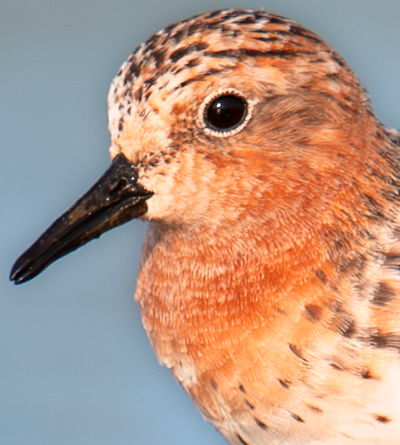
x=214, y=126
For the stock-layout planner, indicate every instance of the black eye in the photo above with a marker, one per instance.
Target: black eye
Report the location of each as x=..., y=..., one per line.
x=226, y=112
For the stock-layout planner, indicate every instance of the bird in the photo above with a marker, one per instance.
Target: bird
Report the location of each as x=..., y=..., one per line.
x=269, y=280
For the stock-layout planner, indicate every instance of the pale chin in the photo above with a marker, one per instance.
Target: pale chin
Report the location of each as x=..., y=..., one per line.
x=159, y=208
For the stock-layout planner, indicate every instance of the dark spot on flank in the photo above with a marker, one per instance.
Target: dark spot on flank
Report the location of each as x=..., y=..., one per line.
x=315, y=408
x=350, y=331
x=260, y=424
x=383, y=419
x=367, y=374
x=342, y=320
x=336, y=366
x=285, y=383
x=282, y=312
x=314, y=311
x=297, y=352
x=213, y=385
x=249, y=404
x=385, y=340
x=384, y=295
x=296, y=417
x=242, y=441
x=241, y=388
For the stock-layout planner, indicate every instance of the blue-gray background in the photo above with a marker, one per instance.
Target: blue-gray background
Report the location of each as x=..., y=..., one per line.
x=75, y=364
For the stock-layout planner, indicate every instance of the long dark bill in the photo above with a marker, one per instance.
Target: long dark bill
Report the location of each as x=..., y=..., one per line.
x=115, y=199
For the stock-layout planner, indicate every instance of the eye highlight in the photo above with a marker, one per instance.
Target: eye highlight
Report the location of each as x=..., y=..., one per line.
x=224, y=113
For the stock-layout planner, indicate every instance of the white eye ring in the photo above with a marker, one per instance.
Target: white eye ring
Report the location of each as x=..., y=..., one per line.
x=212, y=131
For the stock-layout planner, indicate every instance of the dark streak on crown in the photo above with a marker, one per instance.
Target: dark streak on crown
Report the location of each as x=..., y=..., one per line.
x=164, y=49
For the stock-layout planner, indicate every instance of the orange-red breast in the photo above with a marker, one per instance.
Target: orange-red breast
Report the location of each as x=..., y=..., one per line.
x=269, y=281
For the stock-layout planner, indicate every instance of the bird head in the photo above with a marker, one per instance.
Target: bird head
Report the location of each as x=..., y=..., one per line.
x=221, y=120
